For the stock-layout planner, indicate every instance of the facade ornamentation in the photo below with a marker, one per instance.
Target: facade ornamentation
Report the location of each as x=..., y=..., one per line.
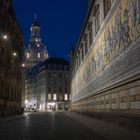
x=113, y=50
x=36, y=52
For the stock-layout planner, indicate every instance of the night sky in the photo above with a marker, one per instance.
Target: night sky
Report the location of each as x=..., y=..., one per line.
x=60, y=20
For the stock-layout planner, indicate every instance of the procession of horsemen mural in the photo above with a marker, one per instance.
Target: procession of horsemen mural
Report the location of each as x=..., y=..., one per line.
x=121, y=31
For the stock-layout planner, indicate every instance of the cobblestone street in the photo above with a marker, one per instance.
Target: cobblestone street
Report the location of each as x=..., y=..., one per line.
x=45, y=126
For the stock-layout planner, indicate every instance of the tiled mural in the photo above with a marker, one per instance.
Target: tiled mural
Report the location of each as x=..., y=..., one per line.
x=120, y=32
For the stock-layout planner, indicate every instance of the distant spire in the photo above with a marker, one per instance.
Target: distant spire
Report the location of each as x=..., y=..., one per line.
x=35, y=16
x=35, y=21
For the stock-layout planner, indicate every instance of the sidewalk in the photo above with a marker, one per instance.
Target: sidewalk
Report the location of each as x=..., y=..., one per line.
x=109, y=131
x=14, y=117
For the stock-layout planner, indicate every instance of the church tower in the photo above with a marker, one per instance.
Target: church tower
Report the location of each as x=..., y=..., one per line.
x=36, y=51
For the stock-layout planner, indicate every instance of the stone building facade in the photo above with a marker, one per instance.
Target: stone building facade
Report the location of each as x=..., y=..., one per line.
x=11, y=43
x=106, y=63
x=48, y=85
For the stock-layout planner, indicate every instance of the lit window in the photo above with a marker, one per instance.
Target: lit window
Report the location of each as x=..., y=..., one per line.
x=66, y=96
x=49, y=96
x=28, y=55
x=54, y=97
x=38, y=45
x=38, y=55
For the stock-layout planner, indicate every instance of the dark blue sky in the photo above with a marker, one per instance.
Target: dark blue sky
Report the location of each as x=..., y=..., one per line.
x=60, y=21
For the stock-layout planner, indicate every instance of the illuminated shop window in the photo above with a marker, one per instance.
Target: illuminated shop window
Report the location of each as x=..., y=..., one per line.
x=54, y=97
x=38, y=55
x=66, y=96
x=49, y=96
x=28, y=55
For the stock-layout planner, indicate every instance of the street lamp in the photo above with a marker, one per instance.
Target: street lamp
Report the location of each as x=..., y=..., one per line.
x=14, y=54
x=5, y=37
x=23, y=65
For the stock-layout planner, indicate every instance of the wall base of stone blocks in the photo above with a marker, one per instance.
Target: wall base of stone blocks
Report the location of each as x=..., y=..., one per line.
x=124, y=120
x=120, y=104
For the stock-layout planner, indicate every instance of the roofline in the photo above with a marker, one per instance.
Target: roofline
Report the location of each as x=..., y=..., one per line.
x=83, y=29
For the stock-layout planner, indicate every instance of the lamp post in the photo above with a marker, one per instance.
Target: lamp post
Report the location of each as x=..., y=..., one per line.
x=3, y=36
x=3, y=65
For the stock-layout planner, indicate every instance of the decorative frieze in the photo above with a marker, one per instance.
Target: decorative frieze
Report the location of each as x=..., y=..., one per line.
x=113, y=61
x=112, y=46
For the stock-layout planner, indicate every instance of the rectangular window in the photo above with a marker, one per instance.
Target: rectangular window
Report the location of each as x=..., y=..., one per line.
x=54, y=74
x=54, y=89
x=60, y=67
x=38, y=45
x=28, y=55
x=49, y=89
x=54, y=82
x=60, y=89
x=54, y=97
x=49, y=74
x=65, y=89
x=49, y=97
x=66, y=75
x=65, y=67
x=65, y=83
x=66, y=97
x=55, y=67
x=49, y=66
x=38, y=55
x=49, y=82
x=60, y=75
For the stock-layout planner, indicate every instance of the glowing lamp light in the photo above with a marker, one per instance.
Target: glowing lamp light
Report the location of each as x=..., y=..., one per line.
x=23, y=65
x=14, y=54
x=5, y=37
x=26, y=101
x=53, y=104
